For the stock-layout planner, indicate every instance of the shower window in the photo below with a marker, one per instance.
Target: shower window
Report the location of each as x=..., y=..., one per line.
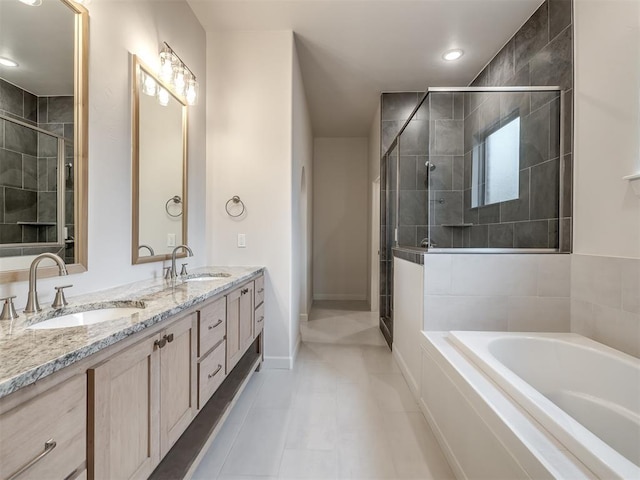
x=496, y=163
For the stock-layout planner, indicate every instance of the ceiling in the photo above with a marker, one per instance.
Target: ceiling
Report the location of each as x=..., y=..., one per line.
x=40, y=39
x=350, y=51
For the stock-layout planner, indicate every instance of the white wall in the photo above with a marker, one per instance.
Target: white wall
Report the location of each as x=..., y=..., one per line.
x=301, y=188
x=116, y=30
x=249, y=154
x=607, y=127
x=374, y=172
x=408, y=318
x=340, y=186
x=605, y=285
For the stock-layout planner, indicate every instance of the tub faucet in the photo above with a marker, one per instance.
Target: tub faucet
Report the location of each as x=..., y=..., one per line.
x=32, y=299
x=174, y=272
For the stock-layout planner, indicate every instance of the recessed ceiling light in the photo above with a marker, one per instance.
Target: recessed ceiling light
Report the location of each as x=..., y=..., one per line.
x=451, y=55
x=32, y=3
x=7, y=62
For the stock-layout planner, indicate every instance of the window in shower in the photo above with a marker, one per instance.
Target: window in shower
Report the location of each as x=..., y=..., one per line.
x=496, y=163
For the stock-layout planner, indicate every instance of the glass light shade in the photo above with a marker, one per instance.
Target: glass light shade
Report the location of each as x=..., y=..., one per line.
x=192, y=92
x=163, y=97
x=149, y=85
x=166, y=65
x=179, y=80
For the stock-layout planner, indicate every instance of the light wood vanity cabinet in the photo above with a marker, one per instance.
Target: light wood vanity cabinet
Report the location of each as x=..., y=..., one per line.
x=46, y=434
x=258, y=324
x=239, y=323
x=140, y=401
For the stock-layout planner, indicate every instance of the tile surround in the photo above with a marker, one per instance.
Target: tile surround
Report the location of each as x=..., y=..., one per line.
x=509, y=292
x=605, y=300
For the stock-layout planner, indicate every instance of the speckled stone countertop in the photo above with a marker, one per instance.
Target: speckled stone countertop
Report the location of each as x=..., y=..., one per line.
x=28, y=355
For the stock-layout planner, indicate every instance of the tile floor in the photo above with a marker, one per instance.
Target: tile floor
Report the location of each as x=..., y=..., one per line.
x=343, y=412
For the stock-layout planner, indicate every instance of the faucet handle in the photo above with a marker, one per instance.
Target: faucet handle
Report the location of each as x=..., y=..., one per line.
x=167, y=273
x=60, y=301
x=183, y=270
x=8, y=309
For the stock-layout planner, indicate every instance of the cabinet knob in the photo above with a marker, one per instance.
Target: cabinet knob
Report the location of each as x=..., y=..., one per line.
x=160, y=343
x=168, y=338
x=261, y=319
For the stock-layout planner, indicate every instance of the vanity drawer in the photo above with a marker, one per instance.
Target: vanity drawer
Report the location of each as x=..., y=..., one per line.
x=212, y=325
x=259, y=292
x=211, y=373
x=259, y=320
x=58, y=415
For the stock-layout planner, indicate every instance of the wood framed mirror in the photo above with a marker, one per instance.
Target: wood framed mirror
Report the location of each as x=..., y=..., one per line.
x=43, y=149
x=159, y=158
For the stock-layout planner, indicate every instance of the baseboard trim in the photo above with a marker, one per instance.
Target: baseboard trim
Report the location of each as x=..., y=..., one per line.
x=339, y=296
x=277, y=363
x=404, y=369
x=304, y=317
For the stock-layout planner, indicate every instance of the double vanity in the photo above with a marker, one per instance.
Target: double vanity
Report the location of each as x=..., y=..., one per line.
x=120, y=396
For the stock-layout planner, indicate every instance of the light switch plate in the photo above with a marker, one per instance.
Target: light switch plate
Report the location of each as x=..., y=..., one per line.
x=171, y=239
x=242, y=240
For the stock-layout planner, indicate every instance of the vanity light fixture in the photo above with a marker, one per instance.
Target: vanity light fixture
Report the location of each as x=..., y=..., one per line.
x=452, y=55
x=32, y=3
x=175, y=72
x=149, y=85
x=7, y=62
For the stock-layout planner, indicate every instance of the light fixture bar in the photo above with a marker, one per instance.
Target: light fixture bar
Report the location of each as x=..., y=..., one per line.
x=184, y=65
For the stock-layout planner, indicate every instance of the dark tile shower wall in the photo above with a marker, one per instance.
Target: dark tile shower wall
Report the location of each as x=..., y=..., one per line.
x=28, y=167
x=539, y=54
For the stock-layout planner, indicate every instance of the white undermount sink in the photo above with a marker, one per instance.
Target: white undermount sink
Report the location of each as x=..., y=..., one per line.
x=89, y=317
x=202, y=277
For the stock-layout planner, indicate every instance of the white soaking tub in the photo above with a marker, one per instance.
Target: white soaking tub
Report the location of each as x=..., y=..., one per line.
x=586, y=395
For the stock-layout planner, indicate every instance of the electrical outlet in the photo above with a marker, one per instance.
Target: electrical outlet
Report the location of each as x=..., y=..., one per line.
x=242, y=240
x=171, y=239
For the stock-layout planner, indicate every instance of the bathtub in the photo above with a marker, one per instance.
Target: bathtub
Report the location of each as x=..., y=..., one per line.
x=569, y=406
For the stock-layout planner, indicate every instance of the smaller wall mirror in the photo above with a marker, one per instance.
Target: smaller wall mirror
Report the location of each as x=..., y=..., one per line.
x=159, y=167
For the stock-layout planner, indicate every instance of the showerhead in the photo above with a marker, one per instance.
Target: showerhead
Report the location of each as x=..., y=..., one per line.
x=430, y=166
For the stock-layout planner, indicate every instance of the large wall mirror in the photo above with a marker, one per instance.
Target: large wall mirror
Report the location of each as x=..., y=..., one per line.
x=159, y=167
x=43, y=135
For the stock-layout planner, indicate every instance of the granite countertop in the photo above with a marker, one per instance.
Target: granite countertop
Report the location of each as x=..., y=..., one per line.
x=29, y=355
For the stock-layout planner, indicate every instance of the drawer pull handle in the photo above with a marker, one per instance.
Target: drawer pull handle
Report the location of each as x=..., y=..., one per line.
x=261, y=290
x=211, y=375
x=160, y=343
x=211, y=327
x=168, y=338
x=49, y=445
x=261, y=318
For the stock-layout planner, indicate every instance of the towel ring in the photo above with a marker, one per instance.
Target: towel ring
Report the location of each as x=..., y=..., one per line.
x=235, y=200
x=175, y=199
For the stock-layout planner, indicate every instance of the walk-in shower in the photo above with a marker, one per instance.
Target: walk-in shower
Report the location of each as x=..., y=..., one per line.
x=475, y=169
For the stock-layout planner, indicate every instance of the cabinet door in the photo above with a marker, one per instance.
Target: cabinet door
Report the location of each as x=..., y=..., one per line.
x=246, y=316
x=50, y=429
x=177, y=381
x=233, y=329
x=124, y=430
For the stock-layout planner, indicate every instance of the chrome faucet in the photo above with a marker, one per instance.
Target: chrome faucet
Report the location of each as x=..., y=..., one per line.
x=427, y=243
x=32, y=299
x=174, y=272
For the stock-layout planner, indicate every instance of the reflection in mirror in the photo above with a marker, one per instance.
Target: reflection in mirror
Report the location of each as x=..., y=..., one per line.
x=159, y=166
x=43, y=134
